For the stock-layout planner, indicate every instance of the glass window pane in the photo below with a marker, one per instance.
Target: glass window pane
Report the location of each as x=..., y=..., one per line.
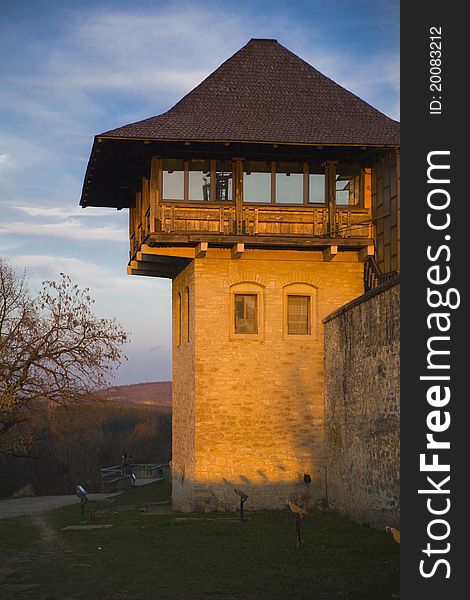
x=298, y=312
x=316, y=184
x=246, y=320
x=199, y=180
x=348, y=178
x=257, y=181
x=223, y=178
x=289, y=183
x=173, y=179
x=316, y=189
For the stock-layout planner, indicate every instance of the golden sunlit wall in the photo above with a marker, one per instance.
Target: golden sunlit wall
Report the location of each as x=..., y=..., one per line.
x=249, y=407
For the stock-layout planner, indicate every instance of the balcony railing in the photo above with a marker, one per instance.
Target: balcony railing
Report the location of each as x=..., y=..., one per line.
x=222, y=219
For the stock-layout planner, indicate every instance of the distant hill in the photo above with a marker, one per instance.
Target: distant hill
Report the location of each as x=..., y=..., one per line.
x=156, y=393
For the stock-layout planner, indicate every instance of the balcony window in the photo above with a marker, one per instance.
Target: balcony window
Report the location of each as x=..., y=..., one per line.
x=257, y=181
x=199, y=180
x=289, y=183
x=223, y=181
x=348, y=184
x=173, y=179
x=283, y=182
x=316, y=184
x=264, y=182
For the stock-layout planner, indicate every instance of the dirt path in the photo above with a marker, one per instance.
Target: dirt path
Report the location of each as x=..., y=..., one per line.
x=15, y=507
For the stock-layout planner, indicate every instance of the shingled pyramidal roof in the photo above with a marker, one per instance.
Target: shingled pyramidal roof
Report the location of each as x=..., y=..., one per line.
x=265, y=93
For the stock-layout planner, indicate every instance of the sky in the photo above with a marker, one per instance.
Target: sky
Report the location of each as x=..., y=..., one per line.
x=72, y=69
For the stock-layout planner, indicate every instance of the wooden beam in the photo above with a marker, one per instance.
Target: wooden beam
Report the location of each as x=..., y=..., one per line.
x=254, y=241
x=330, y=252
x=131, y=271
x=238, y=249
x=363, y=254
x=178, y=252
x=154, y=269
x=148, y=258
x=201, y=249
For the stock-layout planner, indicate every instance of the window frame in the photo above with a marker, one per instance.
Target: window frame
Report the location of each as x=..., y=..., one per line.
x=213, y=170
x=249, y=289
x=238, y=295
x=330, y=171
x=273, y=194
x=304, y=290
x=361, y=184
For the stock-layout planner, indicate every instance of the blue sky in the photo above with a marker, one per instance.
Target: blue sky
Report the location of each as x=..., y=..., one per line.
x=70, y=70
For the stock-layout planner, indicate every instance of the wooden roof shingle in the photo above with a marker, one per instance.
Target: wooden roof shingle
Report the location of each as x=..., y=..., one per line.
x=266, y=93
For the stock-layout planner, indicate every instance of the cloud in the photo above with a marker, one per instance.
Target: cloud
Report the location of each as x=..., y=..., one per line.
x=63, y=212
x=70, y=229
x=88, y=274
x=22, y=152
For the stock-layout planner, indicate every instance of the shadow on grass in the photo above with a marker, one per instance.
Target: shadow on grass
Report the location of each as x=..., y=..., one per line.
x=148, y=554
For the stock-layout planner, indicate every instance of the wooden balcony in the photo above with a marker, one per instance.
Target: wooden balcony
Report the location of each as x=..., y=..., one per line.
x=256, y=225
x=179, y=231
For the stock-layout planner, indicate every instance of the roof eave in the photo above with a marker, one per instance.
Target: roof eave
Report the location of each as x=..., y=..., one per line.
x=100, y=138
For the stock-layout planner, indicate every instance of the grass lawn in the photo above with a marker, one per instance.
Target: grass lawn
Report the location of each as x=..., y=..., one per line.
x=173, y=556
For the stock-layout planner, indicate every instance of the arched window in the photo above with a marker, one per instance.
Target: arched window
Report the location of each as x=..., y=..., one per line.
x=246, y=311
x=178, y=319
x=187, y=311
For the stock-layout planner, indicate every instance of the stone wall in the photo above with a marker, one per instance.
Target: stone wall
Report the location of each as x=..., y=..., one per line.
x=183, y=392
x=362, y=407
x=255, y=417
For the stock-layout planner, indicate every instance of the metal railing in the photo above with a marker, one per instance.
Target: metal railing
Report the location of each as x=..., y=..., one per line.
x=142, y=470
x=373, y=276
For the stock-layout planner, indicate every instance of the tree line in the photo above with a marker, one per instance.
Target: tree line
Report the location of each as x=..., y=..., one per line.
x=77, y=441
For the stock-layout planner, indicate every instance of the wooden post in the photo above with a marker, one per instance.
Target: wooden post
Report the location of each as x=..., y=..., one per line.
x=306, y=183
x=239, y=197
x=367, y=179
x=330, y=172
x=138, y=217
x=131, y=230
x=154, y=194
x=145, y=207
x=273, y=182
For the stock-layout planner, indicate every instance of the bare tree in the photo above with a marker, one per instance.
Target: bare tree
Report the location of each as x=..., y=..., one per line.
x=53, y=350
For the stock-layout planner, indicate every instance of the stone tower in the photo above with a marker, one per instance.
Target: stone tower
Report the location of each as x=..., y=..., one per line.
x=269, y=195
